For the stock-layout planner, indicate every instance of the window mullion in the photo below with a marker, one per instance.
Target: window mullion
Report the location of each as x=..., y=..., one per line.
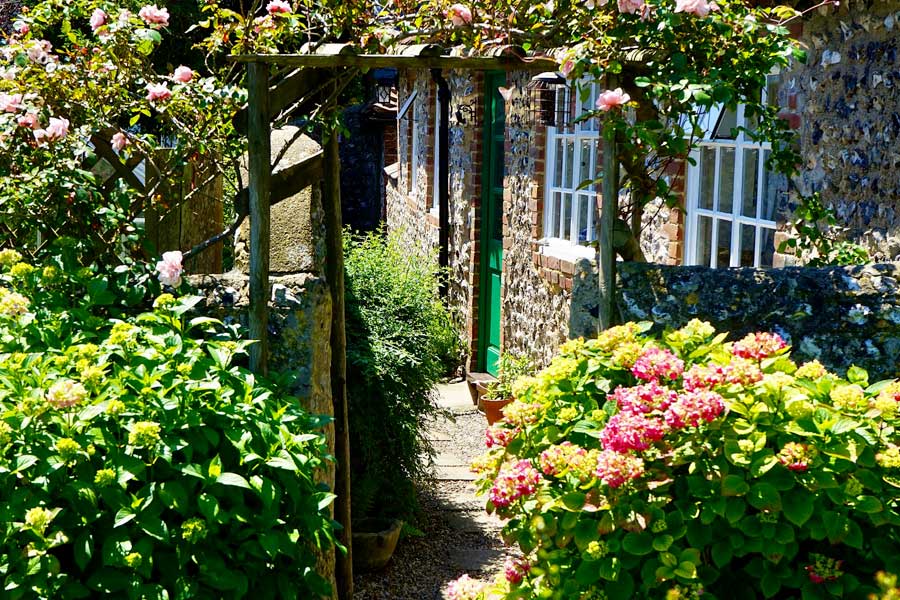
x=737, y=201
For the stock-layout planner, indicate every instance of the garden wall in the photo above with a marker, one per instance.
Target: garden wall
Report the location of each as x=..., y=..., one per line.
x=840, y=315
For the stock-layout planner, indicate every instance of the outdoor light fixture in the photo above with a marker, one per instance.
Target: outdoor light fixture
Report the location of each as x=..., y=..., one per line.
x=385, y=86
x=547, y=106
x=466, y=113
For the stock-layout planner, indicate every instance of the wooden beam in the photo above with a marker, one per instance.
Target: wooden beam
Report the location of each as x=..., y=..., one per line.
x=375, y=61
x=283, y=94
x=606, y=253
x=259, y=150
x=334, y=273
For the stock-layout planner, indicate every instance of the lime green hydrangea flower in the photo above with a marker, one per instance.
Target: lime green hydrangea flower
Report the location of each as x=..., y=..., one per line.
x=144, y=434
x=38, y=519
x=51, y=274
x=164, y=301
x=134, y=560
x=614, y=337
x=9, y=257
x=68, y=449
x=889, y=458
x=811, y=370
x=849, y=397
x=121, y=333
x=596, y=550
x=193, y=530
x=115, y=407
x=105, y=477
x=21, y=270
x=5, y=433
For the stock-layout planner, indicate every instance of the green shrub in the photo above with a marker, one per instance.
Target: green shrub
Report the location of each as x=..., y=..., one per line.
x=636, y=467
x=509, y=368
x=136, y=459
x=398, y=334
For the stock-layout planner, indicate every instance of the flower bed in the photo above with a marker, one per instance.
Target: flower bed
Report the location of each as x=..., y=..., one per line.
x=680, y=466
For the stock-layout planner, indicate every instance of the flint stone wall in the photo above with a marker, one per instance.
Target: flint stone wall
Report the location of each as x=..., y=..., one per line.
x=849, y=108
x=838, y=315
x=299, y=338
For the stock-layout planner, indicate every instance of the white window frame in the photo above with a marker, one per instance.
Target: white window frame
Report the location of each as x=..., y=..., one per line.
x=579, y=134
x=434, y=207
x=740, y=144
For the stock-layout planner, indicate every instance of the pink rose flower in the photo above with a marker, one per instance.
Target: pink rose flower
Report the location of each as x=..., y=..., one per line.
x=567, y=67
x=39, y=51
x=169, y=268
x=153, y=15
x=21, y=27
x=631, y=6
x=10, y=102
x=158, y=91
x=119, y=141
x=57, y=129
x=278, y=7
x=98, y=20
x=700, y=8
x=28, y=120
x=183, y=74
x=459, y=15
x=611, y=99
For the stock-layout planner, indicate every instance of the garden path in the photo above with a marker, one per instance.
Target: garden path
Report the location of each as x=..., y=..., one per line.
x=459, y=536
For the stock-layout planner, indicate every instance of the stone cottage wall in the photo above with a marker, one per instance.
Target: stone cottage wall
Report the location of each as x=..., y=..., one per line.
x=846, y=103
x=839, y=315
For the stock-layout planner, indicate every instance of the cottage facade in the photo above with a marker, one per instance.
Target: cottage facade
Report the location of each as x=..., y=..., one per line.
x=518, y=225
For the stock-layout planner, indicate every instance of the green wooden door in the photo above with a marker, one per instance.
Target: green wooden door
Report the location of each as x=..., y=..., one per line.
x=491, y=224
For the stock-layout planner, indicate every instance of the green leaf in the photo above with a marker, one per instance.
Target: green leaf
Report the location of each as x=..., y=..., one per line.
x=574, y=501
x=587, y=573
x=734, y=485
x=123, y=516
x=798, y=506
x=764, y=496
x=84, y=550
x=769, y=584
x=869, y=504
x=639, y=544
x=233, y=479
x=610, y=568
x=661, y=543
x=858, y=375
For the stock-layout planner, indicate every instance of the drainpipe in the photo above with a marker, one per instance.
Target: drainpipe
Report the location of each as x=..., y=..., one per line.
x=443, y=186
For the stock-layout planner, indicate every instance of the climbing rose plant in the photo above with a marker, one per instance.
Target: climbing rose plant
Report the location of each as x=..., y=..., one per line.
x=679, y=465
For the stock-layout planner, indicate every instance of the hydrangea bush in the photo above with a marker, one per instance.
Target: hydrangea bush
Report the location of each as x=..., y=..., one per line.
x=679, y=465
x=138, y=459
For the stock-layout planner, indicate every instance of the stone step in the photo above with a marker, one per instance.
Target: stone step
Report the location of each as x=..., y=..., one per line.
x=451, y=473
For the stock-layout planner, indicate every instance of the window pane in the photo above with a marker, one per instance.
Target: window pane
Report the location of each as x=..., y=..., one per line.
x=723, y=244
x=769, y=192
x=558, y=166
x=584, y=205
x=707, y=177
x=726, y=180
x=704, y=240
x=595, y=165
x=748, y=245
x=554, y=220
x=584, y=173
x=749, y=183
x=569, y=148
x=767, y=246
x=727, y=122
x=566, y=216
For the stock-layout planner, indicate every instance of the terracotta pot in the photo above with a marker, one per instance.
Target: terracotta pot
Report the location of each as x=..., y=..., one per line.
x=493, y=408
x=374, y=542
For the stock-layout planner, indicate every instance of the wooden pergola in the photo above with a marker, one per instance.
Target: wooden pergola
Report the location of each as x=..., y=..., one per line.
x=308, y=72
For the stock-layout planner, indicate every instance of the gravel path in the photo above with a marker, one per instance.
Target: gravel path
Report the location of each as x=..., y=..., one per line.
x=459, y=536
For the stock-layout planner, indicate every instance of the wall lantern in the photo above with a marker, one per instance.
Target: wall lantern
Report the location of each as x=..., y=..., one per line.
x=467, y=114
x=385, y=86
x=547, y=106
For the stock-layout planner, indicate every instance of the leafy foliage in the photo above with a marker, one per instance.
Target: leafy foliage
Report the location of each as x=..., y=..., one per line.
x=398, y=332
x=137, y=459
x=815, y=239
x=510, y=367
x=666, y=468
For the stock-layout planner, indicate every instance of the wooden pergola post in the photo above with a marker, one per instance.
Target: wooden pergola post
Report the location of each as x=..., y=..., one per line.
x=259, y=141
x=606, y=254
x=334, y=273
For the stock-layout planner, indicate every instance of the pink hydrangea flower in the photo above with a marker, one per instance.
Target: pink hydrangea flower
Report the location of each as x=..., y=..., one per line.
x=183, y=74
x=743, y=372
x=626, y=431
x=98, y=19
x=464, y=588
x=796, y=457
x=278, y=7
x=153, y=15
x=657, y=363
x=758, y=345
x=169, y=268
x=630, y=6
x=28, y=120
x=514, y=482
x=692, y=408
x=515, y=570
x=615, y=468
x=644, y=398
x=459, y=15
x=499, y=436
x=10, y=102
x=66, y=393
x=704, y=377
x=611, y=99
x=700, y=8
x=158, y=91
x=119, y=141
x=556, y=459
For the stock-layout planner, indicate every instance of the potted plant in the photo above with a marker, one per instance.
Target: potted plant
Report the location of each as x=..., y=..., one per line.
x=499, y=393
x=374, y=542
